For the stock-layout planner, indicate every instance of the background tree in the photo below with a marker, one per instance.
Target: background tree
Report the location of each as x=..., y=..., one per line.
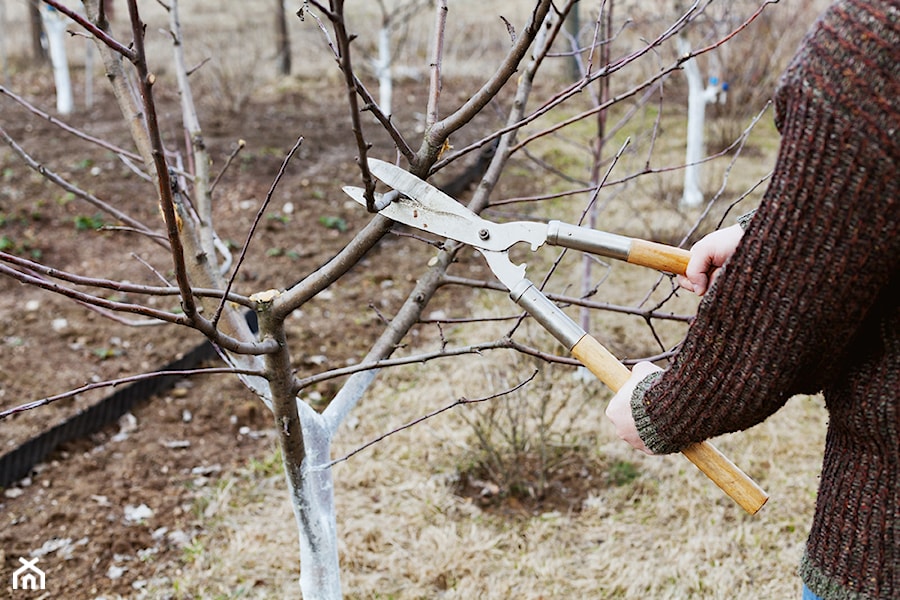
x=282, y=40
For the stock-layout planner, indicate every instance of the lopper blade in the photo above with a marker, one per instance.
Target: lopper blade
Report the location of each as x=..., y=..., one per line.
x=425, y=207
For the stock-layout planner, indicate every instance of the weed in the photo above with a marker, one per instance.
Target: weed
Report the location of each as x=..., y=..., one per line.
x=7, y=244
x=107, y=353
x=285, y=219
x=336, y=223
x=622, y=472
x=83, y=223
x=270, y=466
x=193, y=551
x=527, y=446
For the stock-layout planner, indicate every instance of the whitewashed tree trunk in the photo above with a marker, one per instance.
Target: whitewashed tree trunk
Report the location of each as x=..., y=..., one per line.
x=698, y=97
x=383, y=69
x=88, y=74
x=55, y=26
x=314, y=510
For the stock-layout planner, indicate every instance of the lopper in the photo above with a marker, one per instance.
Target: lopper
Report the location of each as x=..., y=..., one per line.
x=420, y=205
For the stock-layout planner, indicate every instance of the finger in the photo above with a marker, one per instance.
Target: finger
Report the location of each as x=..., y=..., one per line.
x=696, y=271
x=685, y=283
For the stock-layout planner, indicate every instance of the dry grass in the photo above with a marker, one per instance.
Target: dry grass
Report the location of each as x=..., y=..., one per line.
x=404, y=533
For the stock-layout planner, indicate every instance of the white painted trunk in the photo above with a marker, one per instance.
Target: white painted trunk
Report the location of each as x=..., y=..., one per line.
x=383, y=71
x=55, y=26
x=320, y=574
x=698, y=98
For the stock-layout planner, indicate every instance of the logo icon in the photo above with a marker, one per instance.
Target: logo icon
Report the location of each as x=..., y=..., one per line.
x=28, y=576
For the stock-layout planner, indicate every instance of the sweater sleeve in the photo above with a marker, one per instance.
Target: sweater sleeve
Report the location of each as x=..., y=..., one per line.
x=816, y=257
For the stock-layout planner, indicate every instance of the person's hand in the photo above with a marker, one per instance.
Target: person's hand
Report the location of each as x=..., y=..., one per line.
x=707, y=257
x=619, y=409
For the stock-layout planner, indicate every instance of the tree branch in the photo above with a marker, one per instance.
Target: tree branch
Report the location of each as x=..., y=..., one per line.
x=164, y=183
x=95, y=31
x=117, y=382
x=441, y=130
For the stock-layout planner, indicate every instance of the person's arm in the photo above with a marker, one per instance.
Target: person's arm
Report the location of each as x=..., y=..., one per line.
x=816, y=256
x=643, y=374
x=708, y=256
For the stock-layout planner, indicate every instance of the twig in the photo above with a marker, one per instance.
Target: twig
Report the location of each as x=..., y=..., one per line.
x=459, y=402
x=93, y=29
x=124, y=380
x=441, y=130
x=124, y=287
x=90, y=299
x=396, y=362
x=437, y=58
x=573, y=301
x=336, y=16
x=255, y=225
x=228, y=161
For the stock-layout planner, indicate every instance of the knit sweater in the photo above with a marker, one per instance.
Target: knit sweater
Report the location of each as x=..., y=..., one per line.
x=809, y=301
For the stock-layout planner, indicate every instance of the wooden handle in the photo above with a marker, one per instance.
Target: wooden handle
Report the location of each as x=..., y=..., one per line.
x=704, y=455
x=658, y=256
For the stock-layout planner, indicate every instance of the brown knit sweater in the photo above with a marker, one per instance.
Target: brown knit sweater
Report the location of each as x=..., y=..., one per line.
x=809, y=301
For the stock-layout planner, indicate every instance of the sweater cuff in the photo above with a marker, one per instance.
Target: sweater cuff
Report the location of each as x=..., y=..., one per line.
x=645, y=428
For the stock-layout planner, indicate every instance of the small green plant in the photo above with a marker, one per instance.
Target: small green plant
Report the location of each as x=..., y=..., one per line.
x=193, y=551
x=337, y=223
x=83, y=223
x=622, y=472
x=277, y=251
x=285, y=219
x=7, y=244
x=268, y=466
x=107, y=353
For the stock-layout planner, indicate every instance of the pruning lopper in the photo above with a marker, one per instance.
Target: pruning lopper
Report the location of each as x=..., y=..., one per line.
x=420, y=205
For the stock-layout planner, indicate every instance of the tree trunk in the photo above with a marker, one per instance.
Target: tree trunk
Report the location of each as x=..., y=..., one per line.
x=573, y=26
x=38, y=53
x=282, y=40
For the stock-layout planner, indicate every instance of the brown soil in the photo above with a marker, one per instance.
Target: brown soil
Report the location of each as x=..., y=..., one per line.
x=111, y=514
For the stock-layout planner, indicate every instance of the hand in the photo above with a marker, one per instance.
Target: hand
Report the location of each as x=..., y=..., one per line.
x=707, y=257
x=619, y=409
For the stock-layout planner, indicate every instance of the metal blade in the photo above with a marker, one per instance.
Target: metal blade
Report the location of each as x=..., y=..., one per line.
x=414, y=213
x=509, y=273
x=425, y=207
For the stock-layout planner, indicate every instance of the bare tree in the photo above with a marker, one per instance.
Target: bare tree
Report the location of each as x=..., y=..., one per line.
x=205, y=279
